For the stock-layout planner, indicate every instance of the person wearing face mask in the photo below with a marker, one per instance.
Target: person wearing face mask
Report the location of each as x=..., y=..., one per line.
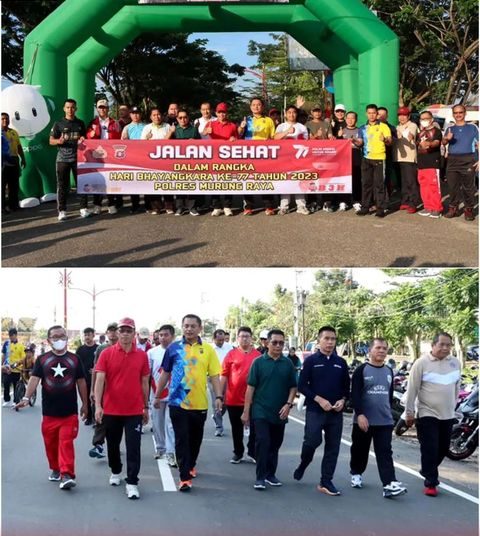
x=62, y=374
x=429, y=140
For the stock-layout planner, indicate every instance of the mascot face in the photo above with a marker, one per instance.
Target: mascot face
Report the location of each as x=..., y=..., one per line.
x=27, y=109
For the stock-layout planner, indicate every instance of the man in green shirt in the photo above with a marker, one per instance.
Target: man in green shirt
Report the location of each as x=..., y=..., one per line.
x=271, y=389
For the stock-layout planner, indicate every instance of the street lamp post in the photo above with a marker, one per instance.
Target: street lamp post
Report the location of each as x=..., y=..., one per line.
x=94, y=293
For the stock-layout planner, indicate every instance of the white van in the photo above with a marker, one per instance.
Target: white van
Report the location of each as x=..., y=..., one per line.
x=443, y=114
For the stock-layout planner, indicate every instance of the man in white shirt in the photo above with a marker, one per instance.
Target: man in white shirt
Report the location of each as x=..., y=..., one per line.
x=163, y=434
x=157, y=129
x=221, y=349
x=292, y=130
x=207, y=117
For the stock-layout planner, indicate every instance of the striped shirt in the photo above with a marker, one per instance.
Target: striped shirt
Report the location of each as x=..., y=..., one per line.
x=435, y=382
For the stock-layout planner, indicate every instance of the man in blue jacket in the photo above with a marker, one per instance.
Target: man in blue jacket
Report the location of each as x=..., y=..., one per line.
x=325, y=382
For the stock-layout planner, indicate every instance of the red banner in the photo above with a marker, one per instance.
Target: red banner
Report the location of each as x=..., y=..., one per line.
x=214, y=167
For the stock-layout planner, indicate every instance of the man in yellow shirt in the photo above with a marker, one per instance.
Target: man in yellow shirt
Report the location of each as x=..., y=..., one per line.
x=11, y=169
x=376, y=136
x=188, y=363
x=13, y=356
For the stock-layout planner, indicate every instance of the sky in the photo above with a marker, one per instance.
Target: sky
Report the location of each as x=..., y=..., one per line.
x=151, y=296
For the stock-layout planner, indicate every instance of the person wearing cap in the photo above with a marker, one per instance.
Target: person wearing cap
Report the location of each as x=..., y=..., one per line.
x=429, y=140
x=292, y=130
x=104, y=127
x=405, y=154
x=338, y=121
x=318, y=128
x=66, y=135
x=123, y=116
x=204, y=119
x=257, y=127
x=62, y=375
x=86, y=354
x=188, y=363
x=376, y=136
x=262, y=347
x=98, y=439
x=143, y=342
x=133, y=131
x=158, y=130
x=13, y=354
x=275, y=116
x=222, y=129
x=121, y=398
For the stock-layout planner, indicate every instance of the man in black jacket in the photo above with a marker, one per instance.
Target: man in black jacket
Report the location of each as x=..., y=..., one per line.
x=325, y=382
x=372, y=393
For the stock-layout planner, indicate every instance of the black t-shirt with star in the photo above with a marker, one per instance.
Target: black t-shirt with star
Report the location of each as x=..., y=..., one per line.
x=59, y=375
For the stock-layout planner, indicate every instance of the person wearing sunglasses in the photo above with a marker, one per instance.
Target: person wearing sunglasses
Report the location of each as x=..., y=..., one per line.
x=462, y=164
x=271, y=389
x=325, y=382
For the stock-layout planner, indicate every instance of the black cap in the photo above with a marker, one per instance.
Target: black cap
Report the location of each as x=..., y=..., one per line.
x=112, y=325
x=134, y=109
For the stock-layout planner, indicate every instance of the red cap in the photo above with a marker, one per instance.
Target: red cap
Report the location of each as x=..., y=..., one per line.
x=273, y=111
x=404, y=110
x=126, y=322
x=221, y=107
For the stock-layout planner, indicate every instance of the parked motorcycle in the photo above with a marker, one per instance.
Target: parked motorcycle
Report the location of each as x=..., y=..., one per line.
x=464, y=440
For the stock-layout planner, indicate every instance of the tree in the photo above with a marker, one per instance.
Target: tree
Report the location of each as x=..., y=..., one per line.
x=281, y=82
x=438, y=47
x=7, y=323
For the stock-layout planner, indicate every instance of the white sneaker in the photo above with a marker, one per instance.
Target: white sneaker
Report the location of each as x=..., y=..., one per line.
x=217, y=212
x=394, y=489
x=62, y=215
x=85, y=213
x=171, y=460
x=303, y=210
x=357, y=481
x=115, y=480
x=342, y=207
x=357, y=207
x=228, y=211
x=132, y=491
x=112, y=210
x=97, y=209
x=6, y=404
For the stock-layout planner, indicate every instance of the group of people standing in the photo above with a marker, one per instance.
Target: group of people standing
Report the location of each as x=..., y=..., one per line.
x=417, y=153
x=131, y=382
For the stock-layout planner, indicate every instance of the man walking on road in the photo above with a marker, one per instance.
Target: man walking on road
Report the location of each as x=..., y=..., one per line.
x=188, y=363
x=325, y=382
x=236, y=367
x=86, y=354
x=13, y=354
x=98, y=440
x=372, y=393
x=272, y=385
x=221, y=349
x=434, y=382
x=121, y=398
x=62, y=374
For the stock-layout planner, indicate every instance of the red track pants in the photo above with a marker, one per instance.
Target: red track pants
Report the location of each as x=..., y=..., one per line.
x=429, y=181
x=58, y=435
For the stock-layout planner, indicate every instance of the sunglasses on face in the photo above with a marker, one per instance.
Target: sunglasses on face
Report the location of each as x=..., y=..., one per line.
x=277, y=343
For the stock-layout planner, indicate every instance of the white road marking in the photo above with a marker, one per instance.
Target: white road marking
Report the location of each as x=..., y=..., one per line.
x=165, y=472
x=402, y=467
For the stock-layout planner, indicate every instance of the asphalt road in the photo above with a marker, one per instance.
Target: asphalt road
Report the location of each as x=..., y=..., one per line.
x=34, y=237
x=223, y=501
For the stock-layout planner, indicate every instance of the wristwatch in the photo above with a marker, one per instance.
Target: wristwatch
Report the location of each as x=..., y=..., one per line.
x=25, y=398
x=219, y=398
x=290, y=404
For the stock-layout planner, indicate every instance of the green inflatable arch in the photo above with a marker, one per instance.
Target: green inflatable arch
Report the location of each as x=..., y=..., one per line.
x=67, y=49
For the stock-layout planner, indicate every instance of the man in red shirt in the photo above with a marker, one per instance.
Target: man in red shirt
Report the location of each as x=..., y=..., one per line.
x=221, y=129
x=121, y=395
x=236, y=366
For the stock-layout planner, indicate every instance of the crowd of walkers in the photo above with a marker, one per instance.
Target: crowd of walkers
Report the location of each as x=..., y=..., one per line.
x=130, y=381
x=405, y=156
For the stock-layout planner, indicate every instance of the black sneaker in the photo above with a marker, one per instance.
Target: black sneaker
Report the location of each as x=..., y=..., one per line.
x=328, y=488
x=259, y=484
x=298, y=473
x=236, y=458
x=67, y=482
x=273, y=481
x=54, y=476
x=380, y=213
x=362, y=212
